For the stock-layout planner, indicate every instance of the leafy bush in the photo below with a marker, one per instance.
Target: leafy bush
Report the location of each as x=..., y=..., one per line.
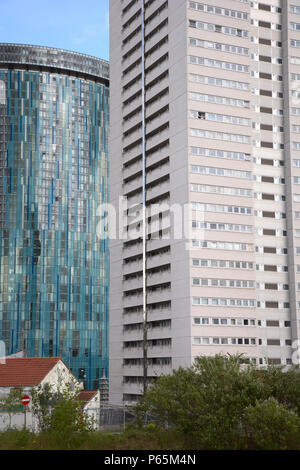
x=59, y=414
x=209, y=400
x=270, y=425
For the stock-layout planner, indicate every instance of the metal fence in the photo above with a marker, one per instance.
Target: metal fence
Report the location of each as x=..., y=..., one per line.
x=106, y=417
x=115, y=417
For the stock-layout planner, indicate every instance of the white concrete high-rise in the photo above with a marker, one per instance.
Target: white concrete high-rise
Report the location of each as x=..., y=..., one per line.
x=205, y=112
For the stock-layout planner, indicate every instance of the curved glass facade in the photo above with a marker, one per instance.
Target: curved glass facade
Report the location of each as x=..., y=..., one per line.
x=42, y=56
x=54, y=270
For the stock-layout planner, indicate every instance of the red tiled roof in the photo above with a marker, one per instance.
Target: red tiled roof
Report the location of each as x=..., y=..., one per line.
x=86, y=395
x=25, y=371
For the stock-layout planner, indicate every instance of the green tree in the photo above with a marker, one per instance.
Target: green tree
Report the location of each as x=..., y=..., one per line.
x=269, y=425
x=12, y=403
x=59, y=412
x=282, y=385
x=209, y=399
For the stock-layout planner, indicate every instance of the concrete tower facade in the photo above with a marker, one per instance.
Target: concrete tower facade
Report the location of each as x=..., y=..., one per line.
x=205, y=114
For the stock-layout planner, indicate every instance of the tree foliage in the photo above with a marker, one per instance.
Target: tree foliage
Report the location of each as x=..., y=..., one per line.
x=11, y=403
x=213, y=399
x=59, y=412
x=269, y=425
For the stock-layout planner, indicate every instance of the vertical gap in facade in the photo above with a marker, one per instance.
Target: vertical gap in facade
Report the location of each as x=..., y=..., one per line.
x=145, y=358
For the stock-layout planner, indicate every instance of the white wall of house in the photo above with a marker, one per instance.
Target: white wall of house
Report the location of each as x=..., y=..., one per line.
x=59, y=375
x=92, y=408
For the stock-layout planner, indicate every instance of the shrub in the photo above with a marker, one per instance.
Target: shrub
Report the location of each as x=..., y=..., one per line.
x=270, y=425
x=208, y=401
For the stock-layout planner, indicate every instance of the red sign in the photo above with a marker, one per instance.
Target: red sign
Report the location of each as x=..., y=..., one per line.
x=25, y=400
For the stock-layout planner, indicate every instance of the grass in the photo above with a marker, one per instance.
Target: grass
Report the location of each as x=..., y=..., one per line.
x=130, y=439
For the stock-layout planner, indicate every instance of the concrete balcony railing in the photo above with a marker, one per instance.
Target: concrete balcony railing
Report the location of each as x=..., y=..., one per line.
x=127, y=93
x=157, y=88
x=132, y=153
x=157, y=19
x=132, y=185
x=129, y=123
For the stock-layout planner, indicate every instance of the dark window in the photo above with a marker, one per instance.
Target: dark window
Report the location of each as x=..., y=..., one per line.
x=268, y=231
x=263, y=109
x=266, y=127
x=267, y=179
x=268, y=197
x=266, y=76
x=269, y=214
x=265, y=92
x=265, y=58
x=274, y=361
x=273, y=342
x=264, y=41
x=269, y=286
x=269, y=249
x=264, y=24
x=272, y=323
x=262, y=6
x=267, y=145
x=271, y=304
x=269, y=267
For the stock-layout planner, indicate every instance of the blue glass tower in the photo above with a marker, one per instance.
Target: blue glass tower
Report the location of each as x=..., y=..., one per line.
x=54, y=269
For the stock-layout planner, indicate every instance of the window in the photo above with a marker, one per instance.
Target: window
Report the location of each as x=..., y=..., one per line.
x=249, y=284
x=222, y=245
x=295, y=9
x=218, y=82
x=219, y=64
x=270, y=304
x=219, y=11
x=221, y=226
x=273, y=342
x=197, y=206
x=262, y=6
x=214, y=301
x=219, y=100
x=266, y=76
x=264, y=24
x=220, y=172
x=219, y=46
x=264, y=41
x=295, y=26
x=200, y=188
x=227, y=264
x=200, y=151
x=236, y=120
x=237, y=138
x=218, y=28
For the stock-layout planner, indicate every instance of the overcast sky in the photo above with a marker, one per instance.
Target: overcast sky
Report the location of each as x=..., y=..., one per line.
x=81, y=26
